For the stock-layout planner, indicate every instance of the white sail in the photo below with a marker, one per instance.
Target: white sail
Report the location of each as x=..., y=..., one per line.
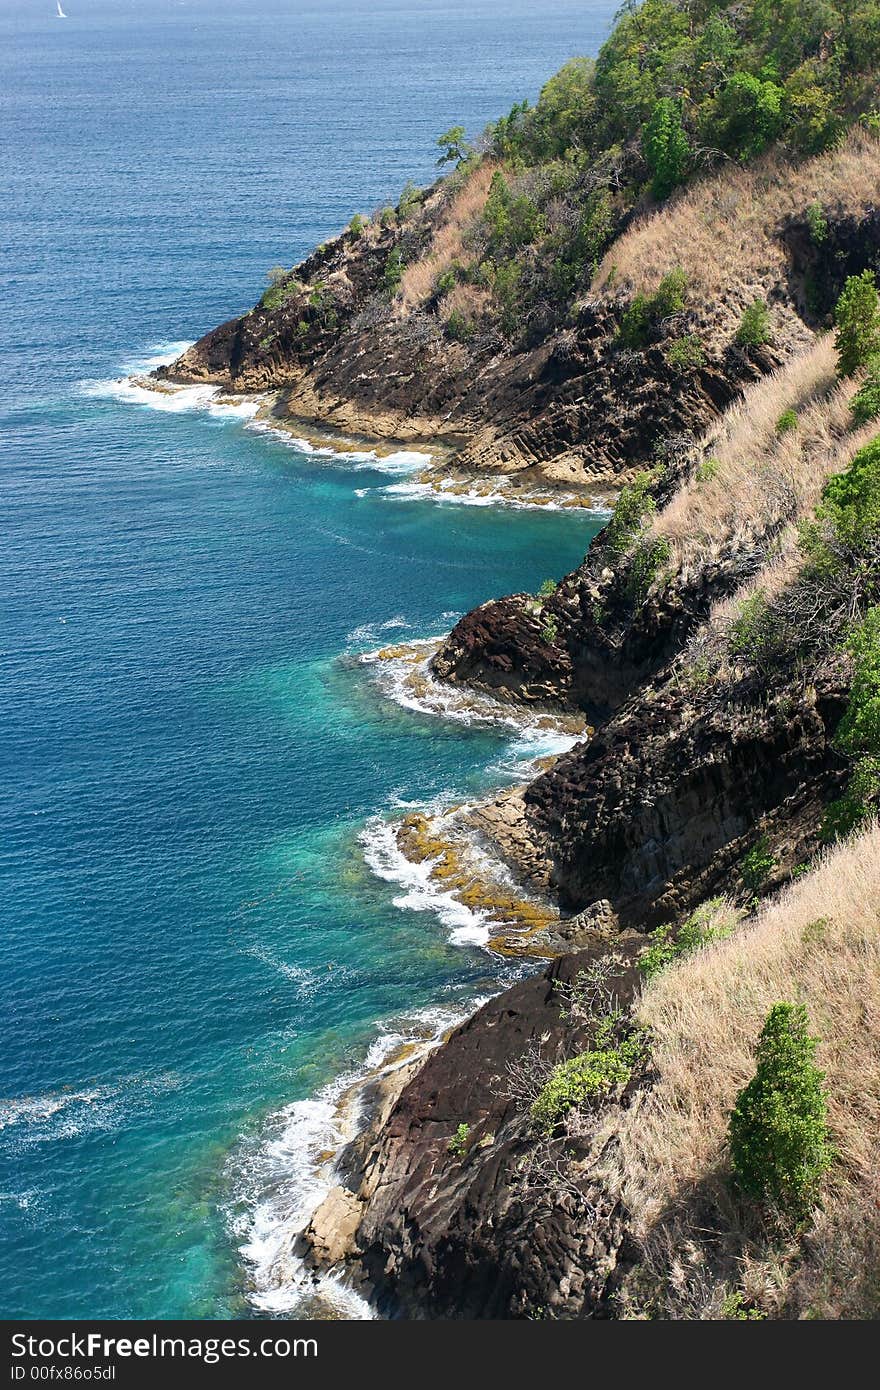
x=61, y=14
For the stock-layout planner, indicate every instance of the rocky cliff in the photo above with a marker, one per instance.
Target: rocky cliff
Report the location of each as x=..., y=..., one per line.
x=486, y=1226
x=627, y=290
x=366, y=338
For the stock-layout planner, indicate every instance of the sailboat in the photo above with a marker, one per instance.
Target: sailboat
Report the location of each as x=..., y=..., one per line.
x=61, y=14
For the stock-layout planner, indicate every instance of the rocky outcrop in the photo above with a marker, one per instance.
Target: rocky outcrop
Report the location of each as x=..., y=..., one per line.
x=571, y=408
x=591, y=644
x=656, y=813
x=823, y=254
x=474, y=1229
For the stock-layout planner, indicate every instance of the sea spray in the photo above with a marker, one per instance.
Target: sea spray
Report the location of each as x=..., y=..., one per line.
x=279, y=1178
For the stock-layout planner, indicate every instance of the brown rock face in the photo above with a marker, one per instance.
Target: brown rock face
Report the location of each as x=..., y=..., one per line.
x=604, y=644
x=570, y=408
x=448, y=1234
x=656, y=812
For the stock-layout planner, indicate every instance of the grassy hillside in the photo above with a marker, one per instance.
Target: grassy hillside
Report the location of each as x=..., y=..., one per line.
x=679, y=88
x=819, y=943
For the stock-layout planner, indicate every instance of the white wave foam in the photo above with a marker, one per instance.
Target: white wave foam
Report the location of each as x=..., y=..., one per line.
x=176, y=402
x=535, y=737
x=421, y=893
x=447, y=490
x=307, y=982
x=401, y=462
x=372, y=632
x=67, y=1114
x=280, y=1179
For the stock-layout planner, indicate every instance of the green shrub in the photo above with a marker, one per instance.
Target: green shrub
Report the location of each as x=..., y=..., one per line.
x=866, y=401
x=778, y=1129
x=583, y=1079
x=648, y=559
x=514, y=220
x=686, y=354
x=388, y=217
x=459, y=327
x=736, y=1309
x=858, y=734
x=817, y=223
x=646, y=311
x=814, y=122
x=281, y=285
x=633, y=507
x=752, y=634
x=393, y=270
x=671, y=294
x=748, y=115
x=457, y=1145
x=666, y=147
x=757, y=865
x=859, y=730
x=787, y=422
x=698, y=931
x=410, y=199
x=857, y=317
x=356, y=226
x=548, y=588
x=506, y=288
x=848, y=517
x=635, y=323
x=707, y=469
x=550, y=630
x=754, y=326
x=445, y=282
x=859, y=802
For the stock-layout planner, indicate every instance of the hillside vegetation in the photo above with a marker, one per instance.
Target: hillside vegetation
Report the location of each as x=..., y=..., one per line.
x=819, y=943
x=599, y=275
x=657, y=286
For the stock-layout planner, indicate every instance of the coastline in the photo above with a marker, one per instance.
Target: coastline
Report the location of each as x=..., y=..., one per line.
x=427, y=465
x=446, y=864
x=446, y=861
x=465, y=884
x=290, y=1271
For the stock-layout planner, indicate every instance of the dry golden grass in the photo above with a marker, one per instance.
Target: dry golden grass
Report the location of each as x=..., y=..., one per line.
x=721, y=230
x=469, y=300
x=420, y=277
x=765, y=480
x=819, y=944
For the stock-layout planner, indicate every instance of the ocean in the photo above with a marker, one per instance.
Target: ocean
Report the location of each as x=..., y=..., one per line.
x=205, y=932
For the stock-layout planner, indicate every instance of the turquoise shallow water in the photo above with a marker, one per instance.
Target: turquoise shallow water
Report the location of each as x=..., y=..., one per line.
x=189, y=761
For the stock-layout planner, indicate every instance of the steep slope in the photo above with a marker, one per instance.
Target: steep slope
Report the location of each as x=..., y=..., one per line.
x=624, y=1206
x=350, y=346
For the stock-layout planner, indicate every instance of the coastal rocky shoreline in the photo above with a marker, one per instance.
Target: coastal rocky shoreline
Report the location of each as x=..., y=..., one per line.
x=682, y=862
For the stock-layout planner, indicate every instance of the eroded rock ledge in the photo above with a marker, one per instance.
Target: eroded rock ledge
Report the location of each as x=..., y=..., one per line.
x=432, y=1232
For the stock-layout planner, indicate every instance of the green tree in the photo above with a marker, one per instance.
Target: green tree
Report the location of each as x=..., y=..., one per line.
x=778, y=1130
x=565, y=110
x=453, y=146
x=858, y=323
x=749, y=115
x=754, y=326
x=666, y=148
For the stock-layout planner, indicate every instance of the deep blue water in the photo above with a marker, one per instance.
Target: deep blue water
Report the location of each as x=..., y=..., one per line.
x=187, y=764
